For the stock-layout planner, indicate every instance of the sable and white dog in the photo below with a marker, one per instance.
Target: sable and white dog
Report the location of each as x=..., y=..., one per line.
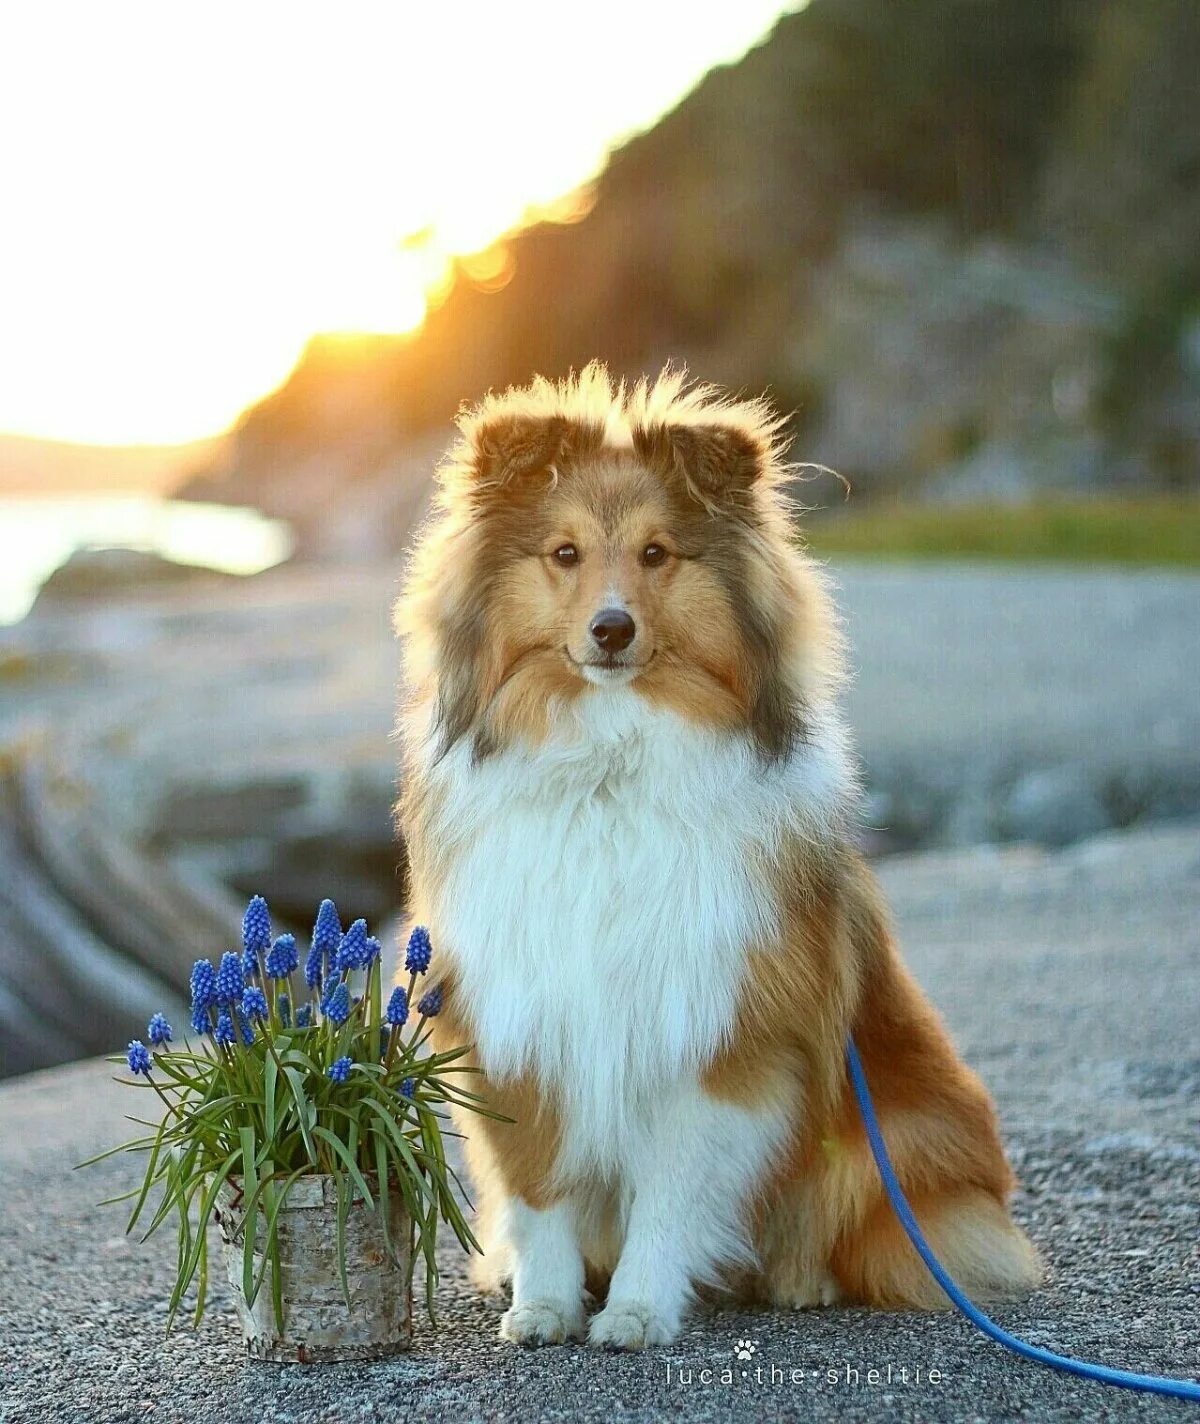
x=628, y=806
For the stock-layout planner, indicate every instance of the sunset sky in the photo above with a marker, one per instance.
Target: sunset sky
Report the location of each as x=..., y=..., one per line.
x=190, y=192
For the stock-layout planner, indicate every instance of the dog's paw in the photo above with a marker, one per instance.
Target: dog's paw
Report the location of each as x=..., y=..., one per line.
x=541, y=1322
x=629, y=1325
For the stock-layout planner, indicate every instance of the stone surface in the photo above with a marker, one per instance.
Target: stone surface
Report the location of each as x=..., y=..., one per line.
x=1070, y=980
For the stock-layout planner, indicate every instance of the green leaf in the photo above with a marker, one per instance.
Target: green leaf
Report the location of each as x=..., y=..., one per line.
x=351, y=1166
x=270, y=1077
x=379, y=1146
x=148, y=1180
x=250, y=1216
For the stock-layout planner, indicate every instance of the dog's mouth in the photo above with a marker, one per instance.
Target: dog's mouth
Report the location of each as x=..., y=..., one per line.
x=607, y=667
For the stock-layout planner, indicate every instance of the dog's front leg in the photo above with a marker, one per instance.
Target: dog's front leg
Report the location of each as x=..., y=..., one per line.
x=547, y=1284
x=693, y=1171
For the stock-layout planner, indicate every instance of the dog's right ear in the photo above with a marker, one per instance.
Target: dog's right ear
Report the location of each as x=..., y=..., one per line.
x=508, y=450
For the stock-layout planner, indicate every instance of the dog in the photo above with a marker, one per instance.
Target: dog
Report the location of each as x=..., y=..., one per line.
x=629, y=808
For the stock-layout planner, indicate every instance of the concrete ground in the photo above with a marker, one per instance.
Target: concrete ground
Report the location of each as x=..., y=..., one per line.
x=1072, y=982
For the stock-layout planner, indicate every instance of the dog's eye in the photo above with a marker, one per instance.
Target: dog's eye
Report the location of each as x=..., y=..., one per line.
x=653, y=555
x=566, y=554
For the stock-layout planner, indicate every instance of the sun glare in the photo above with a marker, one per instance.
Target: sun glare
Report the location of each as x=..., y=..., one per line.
x=192, y=192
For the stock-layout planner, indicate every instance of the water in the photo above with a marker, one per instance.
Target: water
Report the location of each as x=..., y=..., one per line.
x=38, y=535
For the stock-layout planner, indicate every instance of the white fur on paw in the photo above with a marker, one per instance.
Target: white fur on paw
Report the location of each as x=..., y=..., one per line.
x=541, y=1322
x=627, y=1325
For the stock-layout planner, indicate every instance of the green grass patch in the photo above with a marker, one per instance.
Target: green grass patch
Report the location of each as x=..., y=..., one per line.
x=1145, y=531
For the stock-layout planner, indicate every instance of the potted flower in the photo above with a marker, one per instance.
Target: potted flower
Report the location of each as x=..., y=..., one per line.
x=305, y=1118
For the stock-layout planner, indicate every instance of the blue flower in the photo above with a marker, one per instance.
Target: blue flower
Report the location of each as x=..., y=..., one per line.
x=408, y=1087
x=327, y=932
x=283, y=958
x=352, y=951
x=397, y=1007
x=200, y=1020
x=430, y=1003
x=250, y=965
x=256, y=927
x=230, y=979
x=158, y=1031
x=254, y=1003
x=420, y=951
x=304, y=1016
x=245, y=1027
x=138, y=1057
x=283, y=1007
x=326, y=936
x=336, y=1007
x=385, y=1035
x=339, y=1070
x=204, y=984
x=373, y=950
x=223, y=1032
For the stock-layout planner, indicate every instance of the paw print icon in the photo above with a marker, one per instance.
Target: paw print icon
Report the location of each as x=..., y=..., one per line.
x=744, y=1349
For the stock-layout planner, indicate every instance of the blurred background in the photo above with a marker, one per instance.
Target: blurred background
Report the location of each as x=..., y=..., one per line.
x=255, y=256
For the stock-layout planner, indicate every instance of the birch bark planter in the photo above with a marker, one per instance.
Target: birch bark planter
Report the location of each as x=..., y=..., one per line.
x=317, y=1325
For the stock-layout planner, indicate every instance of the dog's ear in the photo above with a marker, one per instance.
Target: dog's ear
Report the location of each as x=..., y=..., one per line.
x=511, y=449
x=717, y=463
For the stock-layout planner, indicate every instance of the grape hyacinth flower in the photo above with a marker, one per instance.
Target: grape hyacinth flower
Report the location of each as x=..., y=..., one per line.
x=336, y=1007
x=204, y=985
x=283, y=1007
x=223, y=1033
x=158, y=1031
x=326, y=936
x=352, y=951
x=204, y=995
x=397, y=1008
x=254, y=1003
x=339, y=1069
x=138, y=1057
x=420, y=951
x=373, y=950
x=244, y=1027
x=430, y=1003
x=230, y=979
x=283, y=958
x=256, y=927
x=408, y=1087
x=304, y=1016
x=314, y=968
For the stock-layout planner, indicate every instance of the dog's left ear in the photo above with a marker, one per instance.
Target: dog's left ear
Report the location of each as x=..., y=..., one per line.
x=717, y=462
x=512, y=448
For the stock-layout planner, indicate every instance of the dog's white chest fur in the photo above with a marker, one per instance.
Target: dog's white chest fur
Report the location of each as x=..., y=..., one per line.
x=603, y=891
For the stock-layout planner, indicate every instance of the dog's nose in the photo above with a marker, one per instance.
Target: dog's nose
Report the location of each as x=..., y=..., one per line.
x=613, y=629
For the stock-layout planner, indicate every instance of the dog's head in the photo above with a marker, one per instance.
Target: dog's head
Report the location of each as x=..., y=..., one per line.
x=594, y=539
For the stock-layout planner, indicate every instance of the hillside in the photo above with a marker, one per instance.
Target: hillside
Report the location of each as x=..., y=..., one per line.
x=956, y=237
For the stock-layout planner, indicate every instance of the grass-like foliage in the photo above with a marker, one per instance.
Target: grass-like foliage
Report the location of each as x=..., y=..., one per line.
x=294, y=1072
x=1153, y=530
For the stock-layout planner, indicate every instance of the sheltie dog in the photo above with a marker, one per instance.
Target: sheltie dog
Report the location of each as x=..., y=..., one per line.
x=629, y=808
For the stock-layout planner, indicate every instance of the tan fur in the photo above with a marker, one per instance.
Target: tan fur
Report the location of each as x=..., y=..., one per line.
x=489, y=646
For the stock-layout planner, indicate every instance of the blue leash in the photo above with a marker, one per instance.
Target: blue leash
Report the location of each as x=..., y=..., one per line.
x=1125, y=1379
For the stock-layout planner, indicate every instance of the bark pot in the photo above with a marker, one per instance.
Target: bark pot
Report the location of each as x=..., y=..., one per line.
x=317, y=1325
